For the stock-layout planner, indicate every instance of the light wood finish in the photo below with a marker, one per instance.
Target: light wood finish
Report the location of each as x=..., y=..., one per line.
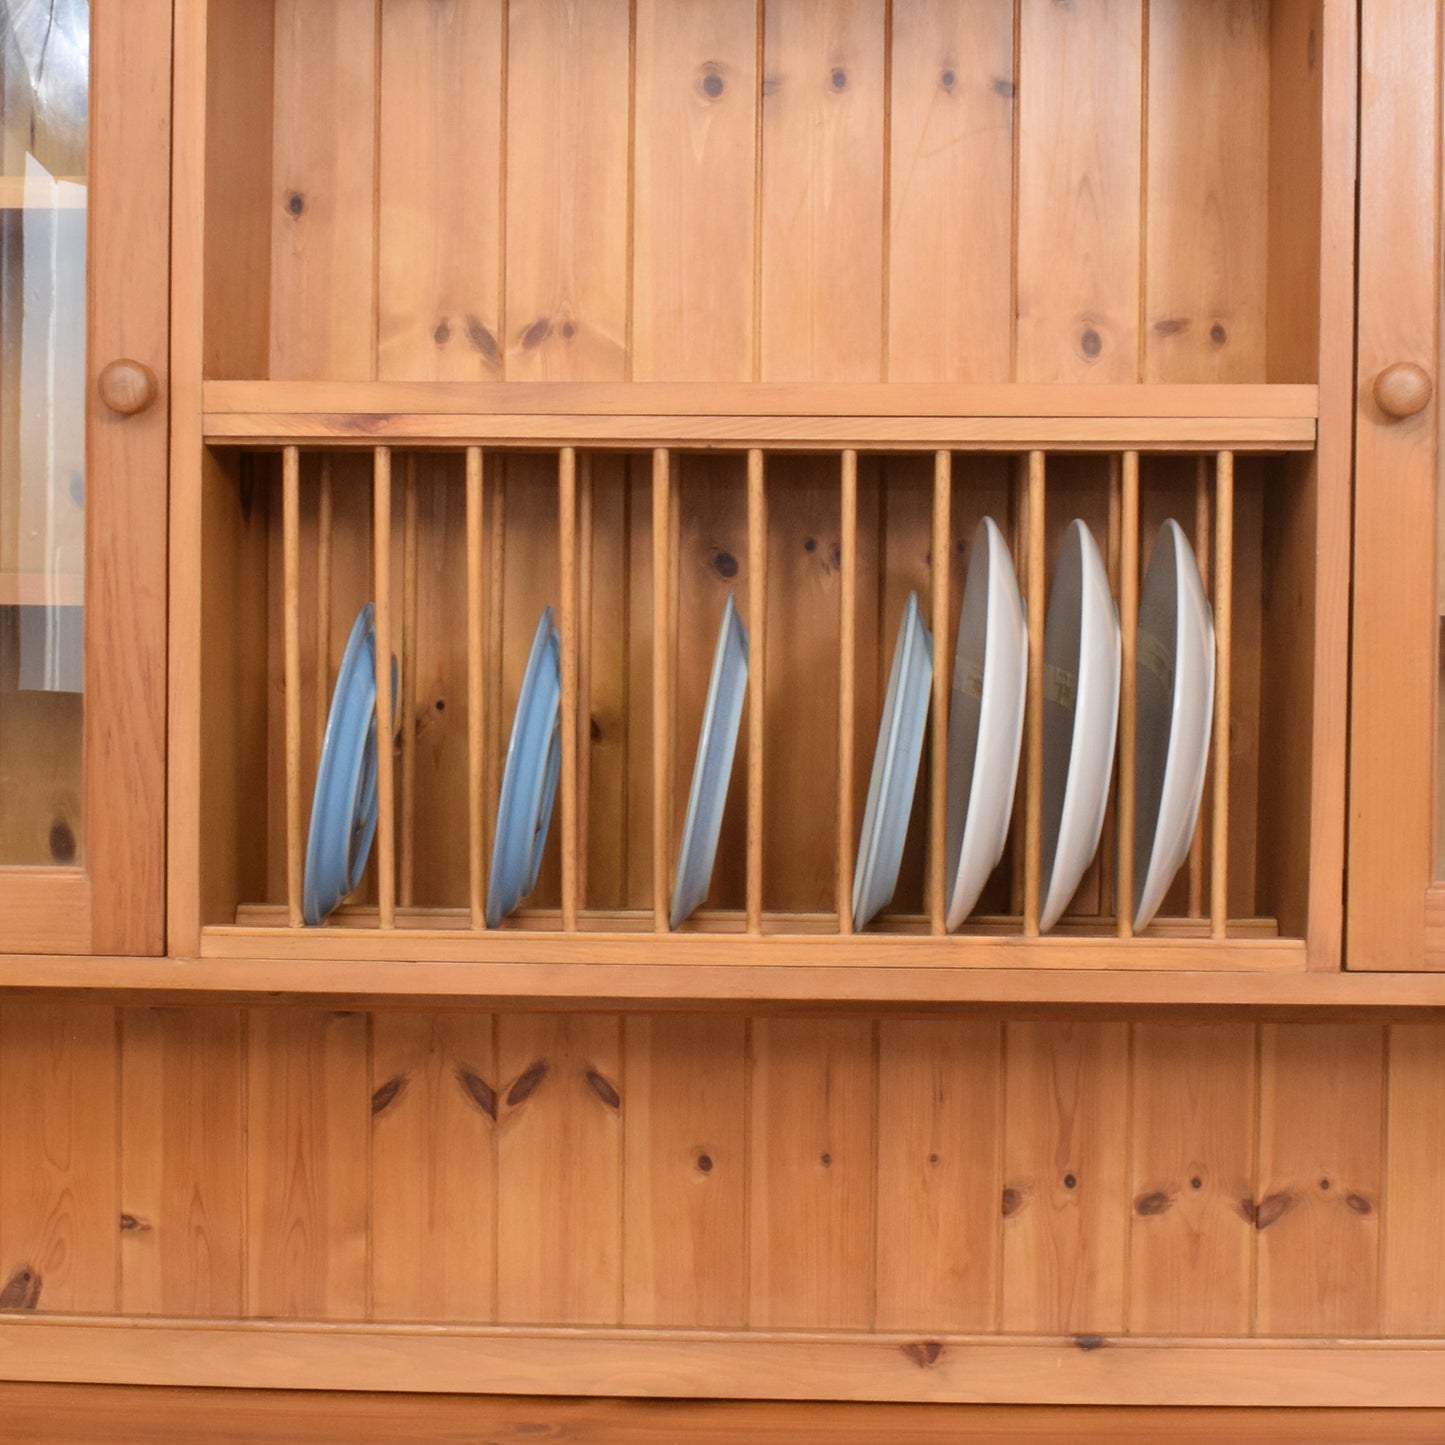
x=1402, y=390
x=662, y=689
x=291, y=546
x=1224, y=656
x=1128, y=691
x=325, y=516
x=757, y=680
x=1033, y=754
x=1396, y=657
x=476, y=688
x=847, y=669
x=1202, y=559
x=940, y=605
x=407, y=703
x=385, y=785
x=127, y=387
x=567, y=617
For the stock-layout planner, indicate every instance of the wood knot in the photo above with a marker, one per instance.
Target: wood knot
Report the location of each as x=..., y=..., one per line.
x=526, y=1084
x=132, y=1224
x=478, y=1090
x=536, y=333
x=923, y=1353
x=296, y=203
x=387, y=1094
x=568, y=331
x=726, y=564
x=948, y=80
x=1196, y=1183
x=1013, y=1201
x=1272, y=1208
x=1154, y=1203
x=1071, y=1181
x=21, y=1290
x=1090, y=343
x=711, y=84
x=1003, y=87
x=443, y=332
x=810, y=544
x=482, y=339
x=703, y=1161
x=1218, y=335
x=1090, y=1342
x=1171, y=326
x=62, y=841
x=933, y=1161
x=1359, y=1203
x=838, y=78
x=604, y=1088
x=826, y=1160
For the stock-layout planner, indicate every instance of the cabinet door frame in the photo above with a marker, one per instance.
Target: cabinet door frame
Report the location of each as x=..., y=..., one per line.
x=1395, y=906
x=112, y=902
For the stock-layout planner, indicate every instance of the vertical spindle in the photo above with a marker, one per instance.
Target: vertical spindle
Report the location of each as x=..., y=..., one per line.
x=406, y=708
x=661, y=685
x=324, y=529
x=476, y=680
x=1019, y=546
x=1128, y=691
x=938, y=774
x=385, y=787
x=847, y=675
x=1201, y=555
x=1223, y=642
x=494, y=739
x=291, y=566
x=1109, y=834
x=757, y=684
x=1034, y=745
x=567, y=572
x=584, y=669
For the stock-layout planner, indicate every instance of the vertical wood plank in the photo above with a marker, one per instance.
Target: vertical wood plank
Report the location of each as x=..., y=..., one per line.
x=433, y=1170
x=58, y=1238
x=684, y=1205
x=1223, y=677
x=1065, y=1231
x=476, y=691
x=325, y=506
x=1318, y=1209
x=559, y=1227
x=847, y=669
x=1413, y=1284
x=695, y=154
x=568, y=77
x=1128, y=595
x=291, y=549
x=811, y=1151
x=307, y=1161
x=406, y=732
x=439, y=219
x=757, y=680
x=1080, y=111
x=1191, y=1241
x=323, y=302
x=567, y=617
x=182, y=1159
x=950, y=124
x=939, y=568
x=1207, y=202
x=940, y=1132
x=1035, y=581
x=823, y=210
x=385, y=789
x=662, y=686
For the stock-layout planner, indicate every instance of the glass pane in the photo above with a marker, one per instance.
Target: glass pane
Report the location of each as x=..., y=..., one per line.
x=44, y=101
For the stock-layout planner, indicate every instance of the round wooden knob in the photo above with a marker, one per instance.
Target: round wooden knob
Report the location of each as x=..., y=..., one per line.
x=1403, y=389
x=127, y=386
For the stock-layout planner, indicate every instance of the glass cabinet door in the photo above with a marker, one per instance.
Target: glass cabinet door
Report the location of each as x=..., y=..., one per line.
x=84, y=158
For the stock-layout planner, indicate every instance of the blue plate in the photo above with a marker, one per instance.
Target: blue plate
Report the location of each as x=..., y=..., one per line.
x=895, y=768
x=343, y=808
x=529, y=778
x=712, y=771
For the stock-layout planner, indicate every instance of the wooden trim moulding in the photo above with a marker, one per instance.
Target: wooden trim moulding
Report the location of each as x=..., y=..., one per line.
x=1083, y=1370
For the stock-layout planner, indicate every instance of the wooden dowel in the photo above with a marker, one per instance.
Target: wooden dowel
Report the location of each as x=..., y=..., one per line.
x=757, y=685
x=584, y=669
x=1128, y=692
x=291, y=552
x=494, y=741
x=1019, y=545
x=661, y=685
x=567, y=571
x=1034, y=744
x=1201, y=556
x=324, y=529
x=938, y=773
x=1109, y=834
x=847, y=672
x=406, y=708
x=476, y=681
x=674, y=587
x=1223, y=626
x=385, y=794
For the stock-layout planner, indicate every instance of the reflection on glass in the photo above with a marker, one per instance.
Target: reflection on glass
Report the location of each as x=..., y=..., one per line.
x=44, y=100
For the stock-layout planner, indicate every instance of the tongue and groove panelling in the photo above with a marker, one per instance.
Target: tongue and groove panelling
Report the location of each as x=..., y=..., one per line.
x=1056, y=1177
x=578, y=190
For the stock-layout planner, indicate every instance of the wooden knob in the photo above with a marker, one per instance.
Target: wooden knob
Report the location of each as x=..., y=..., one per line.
x=127, y=386
x=1403, y=389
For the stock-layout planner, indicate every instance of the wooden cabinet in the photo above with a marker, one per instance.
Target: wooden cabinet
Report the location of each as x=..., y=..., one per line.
x=84, y=209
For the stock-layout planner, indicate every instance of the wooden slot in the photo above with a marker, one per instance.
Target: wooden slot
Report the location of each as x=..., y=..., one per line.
x=1223, y=622
x=1128, y=691
x=291, y=547
x=847, y=668
x=324, y=523
x=476, y=683
x=583, y=709
x=385, y=788
x=757, y=663
x=493, y=741
x=661, y=684
x=567, y=546
x=939, y=557
x=406, y=705
x=1201, y=556
x=1034, y=731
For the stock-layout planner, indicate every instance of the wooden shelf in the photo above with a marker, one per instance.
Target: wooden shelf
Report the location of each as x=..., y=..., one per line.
x=865, y=416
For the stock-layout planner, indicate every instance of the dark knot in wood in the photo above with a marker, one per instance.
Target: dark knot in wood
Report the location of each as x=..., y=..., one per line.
x=605, y=1089
x=536, y=333
x=1154, y=1203
x=387, y=1094
x=22, y=1289
x=1359, y=1203
x=481, y=339
x=923, y=1353
x=479, y=1091
x=1013, y=1201
x=1090, y=1342
x=132, y=1224
x=526, y=1084
x=1272, y=1208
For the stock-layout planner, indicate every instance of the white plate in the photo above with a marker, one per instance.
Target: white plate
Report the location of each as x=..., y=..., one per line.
x=1174, y=681
x=895, y=767
x=985, y=719
x=1081, y=717
x=711, y=773
x=529, y=777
